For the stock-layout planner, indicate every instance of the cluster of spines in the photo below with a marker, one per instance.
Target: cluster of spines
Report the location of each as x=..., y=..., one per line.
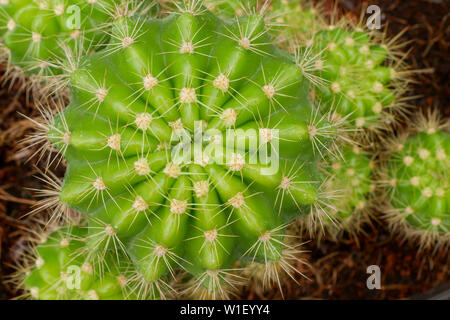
x=231, y=9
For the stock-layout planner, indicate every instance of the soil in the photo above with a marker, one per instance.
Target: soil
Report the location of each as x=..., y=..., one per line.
x=335, y=270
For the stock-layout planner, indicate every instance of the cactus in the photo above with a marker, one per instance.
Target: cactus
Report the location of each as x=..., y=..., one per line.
x=360, y=73
x=144, y=140
x=416, y=183
x=230, y=8
x=59, y=272
x=349, y=186
x=38, y=35
x=356, y=81
x=294, y=20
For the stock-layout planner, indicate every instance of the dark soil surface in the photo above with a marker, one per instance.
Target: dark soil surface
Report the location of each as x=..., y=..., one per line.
x=335, y=270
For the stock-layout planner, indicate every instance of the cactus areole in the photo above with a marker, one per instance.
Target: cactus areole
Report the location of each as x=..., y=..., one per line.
x=191, y=143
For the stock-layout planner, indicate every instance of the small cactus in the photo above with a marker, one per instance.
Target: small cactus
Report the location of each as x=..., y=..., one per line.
x=294, y=20
x=356, y=81
x=38, y=35
x=59, y=271
x=159, y=191
x=360, y=73
x=416, y=182
x=348, y=186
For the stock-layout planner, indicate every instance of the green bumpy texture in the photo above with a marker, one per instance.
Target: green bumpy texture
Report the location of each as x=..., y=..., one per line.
x=352, y=78
x=419, y=181
x=61, y=272
x=349, y=184
x=355, y=81
x=36, y=31
x=135, y=109
x=294, y=20
x=230, y=8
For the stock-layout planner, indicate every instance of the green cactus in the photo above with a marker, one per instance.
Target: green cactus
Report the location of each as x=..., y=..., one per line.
x=360, y=73
x=59, y=270
x=356, y=81
x=294, y=20
x=348, y=186
x=416, y=180
x=39, y=34
x=144, y=139
x=230, y=8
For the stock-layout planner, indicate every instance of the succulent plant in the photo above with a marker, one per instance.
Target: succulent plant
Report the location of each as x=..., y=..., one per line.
x=59, y=270
x=356, y=81
x=191, y=143
x=360, y=73
x=39, y=34
x=294, y=20
x=349, y=185
x=417, y=184
x=230, y=8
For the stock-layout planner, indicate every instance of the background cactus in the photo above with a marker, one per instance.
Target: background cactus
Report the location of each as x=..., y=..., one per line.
x=232, y=8
x=360, y=73
x=295, y=20
x=136, y=112
x=349, y=186
x=416, y=183
x=59, y=271
x=356, y=81
x=39, y=34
